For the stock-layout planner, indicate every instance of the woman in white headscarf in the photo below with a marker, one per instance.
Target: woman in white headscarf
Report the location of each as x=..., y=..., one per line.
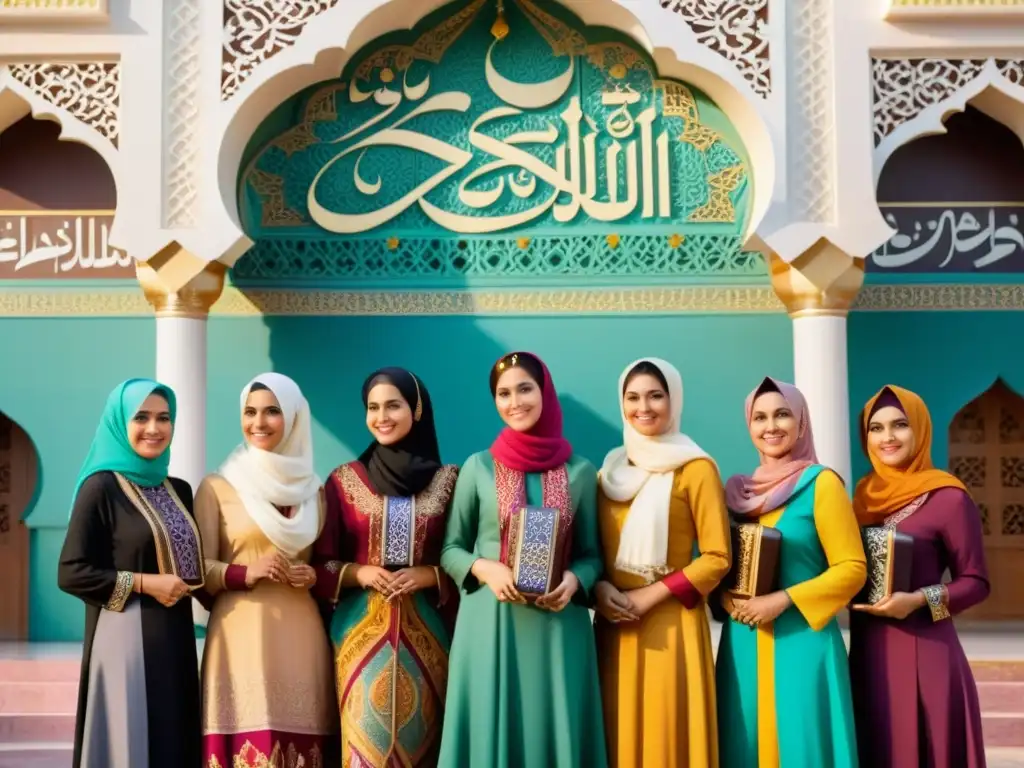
x=659, y=494
x=266, y=679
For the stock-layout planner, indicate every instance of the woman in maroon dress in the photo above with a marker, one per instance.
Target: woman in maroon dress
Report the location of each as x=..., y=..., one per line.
x=915, y=700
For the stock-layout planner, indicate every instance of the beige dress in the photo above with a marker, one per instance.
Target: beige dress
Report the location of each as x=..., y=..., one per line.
x=267, y=675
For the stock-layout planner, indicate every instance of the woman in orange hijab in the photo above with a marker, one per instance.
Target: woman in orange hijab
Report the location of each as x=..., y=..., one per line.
x=915, y=700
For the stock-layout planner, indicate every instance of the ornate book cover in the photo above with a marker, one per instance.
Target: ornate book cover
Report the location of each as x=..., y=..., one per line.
x=889, y=559
x=535, y=550
x=755, y=560
x=398, y=542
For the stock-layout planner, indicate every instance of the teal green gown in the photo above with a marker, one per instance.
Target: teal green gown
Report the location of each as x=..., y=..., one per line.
x=784, y=696
x=523, y=688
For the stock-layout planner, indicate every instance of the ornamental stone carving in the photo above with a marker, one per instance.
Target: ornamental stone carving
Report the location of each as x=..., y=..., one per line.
x=89, y=91
x=181, y=114
x=736, y=30
x=256, y=30
x=53, y=11
x=904, y=88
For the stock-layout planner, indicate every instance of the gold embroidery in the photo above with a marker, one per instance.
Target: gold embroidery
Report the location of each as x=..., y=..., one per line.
x=936, y=597
x=122, y=591
x=251, y=757
x=161, y=537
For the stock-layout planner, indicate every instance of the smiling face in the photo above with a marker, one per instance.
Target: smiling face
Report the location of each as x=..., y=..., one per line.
x=388, y=415
x=150, y=430
x=890, y=437
x=774, y=427
x=645, y=404
x=263, y=420
x=519, y=399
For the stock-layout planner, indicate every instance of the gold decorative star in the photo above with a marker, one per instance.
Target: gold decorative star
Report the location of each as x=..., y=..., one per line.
x=523, y=243
x=613, y=241
x=393, y=243
x=674, y=241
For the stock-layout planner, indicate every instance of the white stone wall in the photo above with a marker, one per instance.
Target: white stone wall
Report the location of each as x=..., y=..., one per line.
x=823, y=91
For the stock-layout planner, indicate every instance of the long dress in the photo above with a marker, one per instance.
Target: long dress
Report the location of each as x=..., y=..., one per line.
x=784, y=688
x=138, y=696
x=913, y=691
x=523, y=690
x=667, y=656
x=391, y=658
x=266, y=675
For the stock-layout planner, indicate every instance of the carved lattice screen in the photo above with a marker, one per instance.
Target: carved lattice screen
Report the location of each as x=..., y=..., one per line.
x=986, y=451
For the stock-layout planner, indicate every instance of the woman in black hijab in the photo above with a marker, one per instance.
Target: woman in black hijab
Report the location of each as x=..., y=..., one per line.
x=377, y=572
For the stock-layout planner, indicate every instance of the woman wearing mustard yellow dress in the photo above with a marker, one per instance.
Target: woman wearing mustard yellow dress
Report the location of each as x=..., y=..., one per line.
x=659, y=494
x=783, y=680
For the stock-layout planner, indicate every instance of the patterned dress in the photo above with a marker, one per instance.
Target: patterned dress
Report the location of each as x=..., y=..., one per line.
x=391, y=658
x=138, y=698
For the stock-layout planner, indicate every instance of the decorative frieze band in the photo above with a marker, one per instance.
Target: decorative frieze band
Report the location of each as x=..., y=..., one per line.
x=53, y=11
x=181, y=113
x=954, y=10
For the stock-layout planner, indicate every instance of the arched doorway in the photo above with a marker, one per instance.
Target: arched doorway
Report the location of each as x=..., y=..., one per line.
x=18, y=469
x=986, y=451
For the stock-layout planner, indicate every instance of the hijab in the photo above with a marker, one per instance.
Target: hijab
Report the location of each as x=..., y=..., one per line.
x=283, y=477
x=886, y=489
x=543, y=447
x=642, y=471
x=111, y=451
x=409, y=465
x=771, y=486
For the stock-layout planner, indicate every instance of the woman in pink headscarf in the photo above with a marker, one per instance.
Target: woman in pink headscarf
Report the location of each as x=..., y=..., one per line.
x=522, y=545
x=782, y=675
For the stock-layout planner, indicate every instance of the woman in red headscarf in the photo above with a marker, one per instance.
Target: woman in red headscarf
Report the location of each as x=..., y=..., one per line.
x=914, y=695
x=522, y=545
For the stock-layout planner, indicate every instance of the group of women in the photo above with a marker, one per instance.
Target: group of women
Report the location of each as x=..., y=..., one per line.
x=386, y=617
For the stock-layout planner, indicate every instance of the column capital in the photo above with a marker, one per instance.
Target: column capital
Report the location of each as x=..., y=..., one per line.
x=192, y=300
x=822, y=281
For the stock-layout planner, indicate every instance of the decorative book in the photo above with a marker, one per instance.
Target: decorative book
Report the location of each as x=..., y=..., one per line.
x=535, y=550
x=398, y=532
x=755, y=560
x=889, y=558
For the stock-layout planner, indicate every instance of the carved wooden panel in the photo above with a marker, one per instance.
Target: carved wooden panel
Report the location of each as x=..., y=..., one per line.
x=17, y=485
x=986, y=451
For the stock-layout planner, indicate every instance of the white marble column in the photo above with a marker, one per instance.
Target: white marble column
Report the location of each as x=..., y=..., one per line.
x=821, y=372
x=181, y=364
x=818, y=288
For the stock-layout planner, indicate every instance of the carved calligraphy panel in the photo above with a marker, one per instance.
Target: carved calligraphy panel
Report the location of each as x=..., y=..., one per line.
x=472, y=125
x=60, y=244
x=956, y=201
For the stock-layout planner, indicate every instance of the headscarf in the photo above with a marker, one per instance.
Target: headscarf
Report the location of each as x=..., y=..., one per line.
x=543, y=447
x=642, y=470
x=887, y=489
x=409, y=465
x=283, y=477
x=771, y=486
x=111, y=450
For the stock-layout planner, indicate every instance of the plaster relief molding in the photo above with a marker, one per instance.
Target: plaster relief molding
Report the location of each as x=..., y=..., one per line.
x=328, y=38
x=952, y=10
x=734, y=29
x=811, y=125
x=256, y=30
x=90, y=92
x=822, y=281
x=53, y=11
x=181, y=172
x=912, y=97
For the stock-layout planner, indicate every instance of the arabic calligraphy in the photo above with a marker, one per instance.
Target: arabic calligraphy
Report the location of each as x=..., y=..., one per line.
x=62, y=244
x=964, y=238
x=537, y=129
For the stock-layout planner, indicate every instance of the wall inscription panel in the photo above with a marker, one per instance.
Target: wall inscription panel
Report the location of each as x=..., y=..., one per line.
x=489, y=139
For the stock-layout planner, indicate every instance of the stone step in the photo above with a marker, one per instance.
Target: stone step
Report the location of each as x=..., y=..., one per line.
x=25, y=698
x=36, y=728
x=1005, y=757
x=36, y=755
x=1003, y=729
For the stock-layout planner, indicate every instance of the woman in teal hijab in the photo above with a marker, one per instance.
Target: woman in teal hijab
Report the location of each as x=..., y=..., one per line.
x=111, y=451
x=132, y=553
